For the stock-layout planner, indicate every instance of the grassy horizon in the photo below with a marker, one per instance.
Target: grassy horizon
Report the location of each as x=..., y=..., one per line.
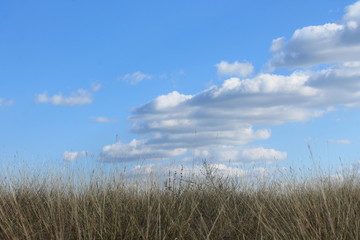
x=183, y=207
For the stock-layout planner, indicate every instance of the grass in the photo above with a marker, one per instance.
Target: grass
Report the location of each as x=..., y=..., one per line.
x=212, y=207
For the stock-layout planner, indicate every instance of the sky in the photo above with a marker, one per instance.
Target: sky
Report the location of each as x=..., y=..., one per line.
x=150, y=86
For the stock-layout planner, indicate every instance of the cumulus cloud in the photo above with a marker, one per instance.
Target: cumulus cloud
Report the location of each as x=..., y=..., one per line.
x=341, y=81
x=170, y=100
x=353, y=12
x=277, y=44
x=265, y=99
x=79, y=97
x=322, y=44
x=220, y=121
x=73, y=156
x=4, y=103
x=226, y=115
x=135, y=78
x=234, y=69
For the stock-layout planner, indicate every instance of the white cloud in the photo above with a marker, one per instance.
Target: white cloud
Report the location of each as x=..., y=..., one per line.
x=136, y=151
x=178, y=171
x=103, y=120
x=79, y=97
x=277, y=44
x=339, y=141
x=73, y=156
x=228, y=171
x=353, y=12
x=241, y=155
x=95, y=87
x=220, y=121
x=170, y=100
x=261, y=153
x=100, y=119
x=135, y=78
x=4, y=103
x=225, y=115
x=234, y=69
x=323, y=44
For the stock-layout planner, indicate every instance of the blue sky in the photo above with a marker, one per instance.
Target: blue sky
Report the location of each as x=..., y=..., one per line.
x=154, y=84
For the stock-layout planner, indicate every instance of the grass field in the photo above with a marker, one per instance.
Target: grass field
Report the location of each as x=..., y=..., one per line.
x=210, y=207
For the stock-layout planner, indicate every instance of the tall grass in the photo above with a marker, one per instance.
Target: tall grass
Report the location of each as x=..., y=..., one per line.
x=213, y=207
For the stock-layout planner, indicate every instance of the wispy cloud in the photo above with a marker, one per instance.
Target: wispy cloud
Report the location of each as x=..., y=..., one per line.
x=161, y=169
x=339, y=141
x=235, y=69
x=260, y=153
x=95, y=87
x=135, y=78
x=4, y=103
x=79, y=97
x=103, y=120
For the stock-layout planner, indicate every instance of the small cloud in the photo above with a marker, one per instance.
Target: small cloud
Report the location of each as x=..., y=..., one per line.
x=309, y=139
x=181, y=72
x=73, y=156
x=79, y=97
x=95, y=87
x=170, y=100
x=4, y=103
x=135, y=78
x=103, y=120
x=263, y=153
x=340, y=141
x=137, y=150
x=242, y=156
x=234, y=69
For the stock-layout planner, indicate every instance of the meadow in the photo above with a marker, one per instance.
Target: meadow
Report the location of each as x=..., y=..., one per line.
x=207, y=207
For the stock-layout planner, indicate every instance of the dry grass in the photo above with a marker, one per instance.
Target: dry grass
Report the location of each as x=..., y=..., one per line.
x=203, y=208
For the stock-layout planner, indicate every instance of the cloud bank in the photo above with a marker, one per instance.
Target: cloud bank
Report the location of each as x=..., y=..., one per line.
x=220, y=122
